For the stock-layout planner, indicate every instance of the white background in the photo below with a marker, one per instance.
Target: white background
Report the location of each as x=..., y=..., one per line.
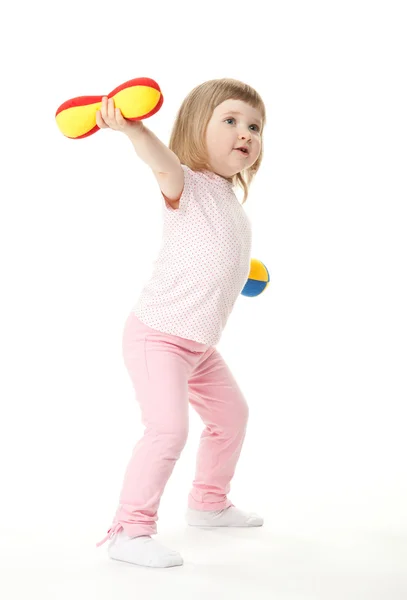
x=321, y=355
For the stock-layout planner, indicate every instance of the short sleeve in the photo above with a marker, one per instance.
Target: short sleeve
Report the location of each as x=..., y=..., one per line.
x=187, y=193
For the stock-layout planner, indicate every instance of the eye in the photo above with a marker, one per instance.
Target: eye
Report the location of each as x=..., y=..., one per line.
x=233, y=119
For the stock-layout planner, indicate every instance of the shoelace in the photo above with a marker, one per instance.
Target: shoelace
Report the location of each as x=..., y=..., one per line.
x=112, y=532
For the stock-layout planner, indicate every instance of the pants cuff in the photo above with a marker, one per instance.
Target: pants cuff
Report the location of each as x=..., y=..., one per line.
x=195, y=505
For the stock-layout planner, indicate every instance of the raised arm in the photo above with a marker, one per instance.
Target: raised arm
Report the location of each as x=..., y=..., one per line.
x=152, y=151
x=164, y=163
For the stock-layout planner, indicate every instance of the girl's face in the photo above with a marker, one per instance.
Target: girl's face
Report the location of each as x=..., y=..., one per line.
x=233, y=123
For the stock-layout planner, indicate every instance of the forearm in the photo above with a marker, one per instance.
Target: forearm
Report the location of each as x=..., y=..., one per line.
x=152, y=151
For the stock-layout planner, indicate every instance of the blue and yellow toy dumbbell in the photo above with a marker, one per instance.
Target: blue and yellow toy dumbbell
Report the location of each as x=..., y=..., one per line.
x=258, y=279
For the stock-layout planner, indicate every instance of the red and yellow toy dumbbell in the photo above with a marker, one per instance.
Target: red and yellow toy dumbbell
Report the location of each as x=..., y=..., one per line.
x=137, y=99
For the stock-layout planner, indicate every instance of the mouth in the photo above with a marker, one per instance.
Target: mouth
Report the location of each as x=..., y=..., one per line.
x=243, y=151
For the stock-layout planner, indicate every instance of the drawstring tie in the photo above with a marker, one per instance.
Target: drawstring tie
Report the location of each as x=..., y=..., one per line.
x=112, y=532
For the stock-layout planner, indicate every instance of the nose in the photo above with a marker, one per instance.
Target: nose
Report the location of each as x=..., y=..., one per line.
x=245, y=135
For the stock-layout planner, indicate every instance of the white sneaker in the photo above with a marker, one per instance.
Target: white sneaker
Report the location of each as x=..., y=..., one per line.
x=143, y=551
x=227, y=517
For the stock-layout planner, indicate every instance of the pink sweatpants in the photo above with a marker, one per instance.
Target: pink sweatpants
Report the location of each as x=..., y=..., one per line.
x=169, y=372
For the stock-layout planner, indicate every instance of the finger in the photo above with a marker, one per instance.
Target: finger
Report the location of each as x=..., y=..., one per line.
x=103, y=108
x=99, y=120
x=110, y=109
x=119, y=117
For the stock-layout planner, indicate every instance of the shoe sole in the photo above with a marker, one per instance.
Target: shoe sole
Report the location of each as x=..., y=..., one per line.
x=148, y=566
x=217, y=526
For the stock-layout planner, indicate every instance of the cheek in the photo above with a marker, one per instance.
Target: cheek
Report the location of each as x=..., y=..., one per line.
x=216, y=139
x=211, y=136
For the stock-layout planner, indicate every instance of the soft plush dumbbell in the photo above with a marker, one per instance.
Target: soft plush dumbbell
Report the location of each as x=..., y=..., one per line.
x=137, y=99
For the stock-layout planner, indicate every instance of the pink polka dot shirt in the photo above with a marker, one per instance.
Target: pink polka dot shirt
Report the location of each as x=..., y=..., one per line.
x=203, y=263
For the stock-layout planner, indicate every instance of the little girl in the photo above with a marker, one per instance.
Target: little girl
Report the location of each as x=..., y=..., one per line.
x=170, y=335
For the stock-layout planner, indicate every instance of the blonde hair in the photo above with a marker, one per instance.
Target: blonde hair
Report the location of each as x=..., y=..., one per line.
x=188, y=134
